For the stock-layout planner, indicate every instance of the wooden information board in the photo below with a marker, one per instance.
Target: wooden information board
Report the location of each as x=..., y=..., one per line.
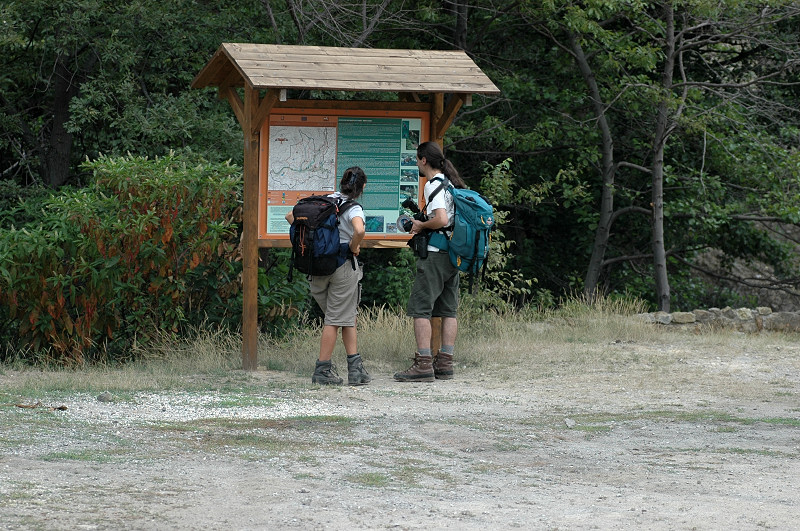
x=305, y=152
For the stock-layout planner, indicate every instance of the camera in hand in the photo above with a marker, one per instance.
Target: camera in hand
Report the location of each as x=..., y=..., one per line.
x=410, y=205
x=405, y=223
x=418, y=242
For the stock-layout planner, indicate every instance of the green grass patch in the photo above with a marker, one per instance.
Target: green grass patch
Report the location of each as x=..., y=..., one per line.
x=86, y=455
x=603, y=422
x=408, y=473
x=370, y=479
x=18, y=491
x=753, y=451
x=507, y=445
x=255, y=439
x=781, y=421
x=241, y=400
x=592, y=429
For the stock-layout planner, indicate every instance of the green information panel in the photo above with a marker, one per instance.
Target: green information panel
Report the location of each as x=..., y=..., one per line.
x=308, y=155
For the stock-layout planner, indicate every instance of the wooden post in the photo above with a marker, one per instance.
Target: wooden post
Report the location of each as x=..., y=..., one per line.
x=253, y=114
x=250, y=235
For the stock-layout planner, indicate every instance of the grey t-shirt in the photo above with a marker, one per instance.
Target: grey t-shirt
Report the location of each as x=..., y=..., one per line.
x=346, y=220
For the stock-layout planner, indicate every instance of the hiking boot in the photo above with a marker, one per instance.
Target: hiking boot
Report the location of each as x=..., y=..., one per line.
x=443, y=366
x=420, y=371
x=356, y=373
x=325, y=374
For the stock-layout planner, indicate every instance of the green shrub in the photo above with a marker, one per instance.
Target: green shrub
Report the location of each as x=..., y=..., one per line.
x=152, y=246
x=388, y=276
x=280, y=302
x=20, y=205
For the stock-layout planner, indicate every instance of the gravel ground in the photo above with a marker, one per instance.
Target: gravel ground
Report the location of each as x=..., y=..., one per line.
x=674, y=437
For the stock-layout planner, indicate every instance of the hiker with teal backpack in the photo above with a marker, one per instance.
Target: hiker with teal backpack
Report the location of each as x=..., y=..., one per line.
x=336, y=287
x=435, y=289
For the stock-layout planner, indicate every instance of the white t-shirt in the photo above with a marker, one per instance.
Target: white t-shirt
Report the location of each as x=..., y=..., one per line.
x=346, y=220
x=441, y=200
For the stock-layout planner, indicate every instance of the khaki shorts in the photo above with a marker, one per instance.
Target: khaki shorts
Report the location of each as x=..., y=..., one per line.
x=435, y=289
x=338, y=294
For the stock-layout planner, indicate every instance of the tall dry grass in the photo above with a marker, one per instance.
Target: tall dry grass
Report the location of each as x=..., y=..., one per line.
x=577, y=337
x=168, y=364
x=500, y=339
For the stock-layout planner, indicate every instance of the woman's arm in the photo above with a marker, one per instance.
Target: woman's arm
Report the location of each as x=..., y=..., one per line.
x=358, y=234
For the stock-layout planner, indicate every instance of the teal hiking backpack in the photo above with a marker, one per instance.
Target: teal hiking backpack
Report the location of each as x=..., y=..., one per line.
x=470, y=233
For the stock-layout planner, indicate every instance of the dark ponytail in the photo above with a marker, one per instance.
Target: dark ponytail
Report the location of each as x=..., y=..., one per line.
x=353, y=181
x=433, y=154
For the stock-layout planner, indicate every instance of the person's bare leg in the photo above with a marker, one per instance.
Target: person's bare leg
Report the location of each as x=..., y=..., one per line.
x=324, y=372
x=350, y=340
x=422, y=332
x=328, y=341
x=449, y=330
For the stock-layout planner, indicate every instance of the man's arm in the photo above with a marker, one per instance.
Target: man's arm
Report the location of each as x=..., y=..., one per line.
x=438, y=221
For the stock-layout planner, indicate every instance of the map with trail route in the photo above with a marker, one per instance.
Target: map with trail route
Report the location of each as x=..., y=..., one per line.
x=302, y=158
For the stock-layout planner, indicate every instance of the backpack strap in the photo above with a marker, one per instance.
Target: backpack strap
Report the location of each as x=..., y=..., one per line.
x=343, y=206
x=445, y=183
x=474, y=268
x=440, y=236
x=289, y=275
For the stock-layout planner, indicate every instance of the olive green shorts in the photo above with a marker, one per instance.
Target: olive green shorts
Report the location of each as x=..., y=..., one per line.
x=338, y=294
x=435, y=289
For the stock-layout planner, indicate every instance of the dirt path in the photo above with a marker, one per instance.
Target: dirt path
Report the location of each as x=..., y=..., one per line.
x=697, y=440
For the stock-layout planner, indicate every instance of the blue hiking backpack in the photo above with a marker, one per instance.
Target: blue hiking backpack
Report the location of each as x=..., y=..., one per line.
x=314, y=234
x=470, y=234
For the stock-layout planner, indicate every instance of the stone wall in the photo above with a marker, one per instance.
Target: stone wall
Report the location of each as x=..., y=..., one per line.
x=741, y=319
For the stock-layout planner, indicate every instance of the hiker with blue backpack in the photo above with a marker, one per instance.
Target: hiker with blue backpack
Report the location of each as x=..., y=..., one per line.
x=326, y=234
x=435, y=290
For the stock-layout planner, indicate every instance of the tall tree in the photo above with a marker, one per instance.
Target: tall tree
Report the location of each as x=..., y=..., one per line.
x=629, y=51
x=637, y=143
x=80, y=77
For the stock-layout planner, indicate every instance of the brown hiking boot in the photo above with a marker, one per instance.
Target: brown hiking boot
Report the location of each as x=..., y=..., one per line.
x=443, y=366
x=420, y=371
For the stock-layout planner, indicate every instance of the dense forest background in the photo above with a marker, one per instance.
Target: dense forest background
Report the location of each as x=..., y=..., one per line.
x=638, y=148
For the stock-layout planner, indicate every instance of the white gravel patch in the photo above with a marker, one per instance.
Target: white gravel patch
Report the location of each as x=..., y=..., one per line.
x=187, y=407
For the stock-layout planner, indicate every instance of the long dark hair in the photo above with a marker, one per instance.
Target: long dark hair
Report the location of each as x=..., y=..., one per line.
x=433, y=154
x=353, y=181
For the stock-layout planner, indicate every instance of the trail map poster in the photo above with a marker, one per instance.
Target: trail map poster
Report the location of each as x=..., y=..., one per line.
x=308, y=153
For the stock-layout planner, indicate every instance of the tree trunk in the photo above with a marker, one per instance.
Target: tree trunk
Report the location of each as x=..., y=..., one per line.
x=56, y=160
x=657, y=223
x=608, y=172
x=57, y=153
x=460, y=33
x=659, y=141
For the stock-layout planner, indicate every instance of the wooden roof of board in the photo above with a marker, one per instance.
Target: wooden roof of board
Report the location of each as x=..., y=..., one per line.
x=267, y=66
